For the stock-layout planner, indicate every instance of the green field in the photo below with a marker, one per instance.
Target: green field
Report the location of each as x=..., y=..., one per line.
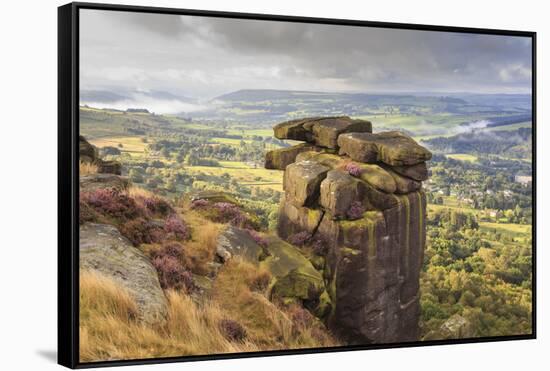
x=243, y=130
x=462, y=157
x=131, y=144
x=244, y=173
x=509, y=228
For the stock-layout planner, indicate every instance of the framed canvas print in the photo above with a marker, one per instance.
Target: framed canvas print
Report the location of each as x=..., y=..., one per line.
x=237, y=185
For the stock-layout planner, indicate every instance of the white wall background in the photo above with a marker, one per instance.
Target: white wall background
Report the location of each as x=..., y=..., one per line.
x=28, y=155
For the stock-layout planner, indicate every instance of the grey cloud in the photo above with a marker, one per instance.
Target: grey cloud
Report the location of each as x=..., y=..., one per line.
x=205, y=56
x=164, y=24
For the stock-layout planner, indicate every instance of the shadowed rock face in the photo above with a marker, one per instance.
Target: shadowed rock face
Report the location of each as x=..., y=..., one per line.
x=366, y=207
x=403, y=184
x=89, y=154
x=302, y=181
x=339, y=191
x=293, y=219
x=105, y=250
x=417, y=172
x=279, y=158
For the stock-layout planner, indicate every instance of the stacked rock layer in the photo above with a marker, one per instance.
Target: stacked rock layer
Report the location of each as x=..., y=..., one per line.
x=359, y=196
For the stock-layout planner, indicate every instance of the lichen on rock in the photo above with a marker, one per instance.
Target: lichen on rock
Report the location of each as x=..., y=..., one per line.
x=233, y=241
x=302, y=180
x=366, y=206
x=103, y=249
x=322, y=131
x=391, y=147
x=295, y=277
x=280, y=158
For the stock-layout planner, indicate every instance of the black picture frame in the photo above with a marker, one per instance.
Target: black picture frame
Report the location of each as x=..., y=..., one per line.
x=68, y=130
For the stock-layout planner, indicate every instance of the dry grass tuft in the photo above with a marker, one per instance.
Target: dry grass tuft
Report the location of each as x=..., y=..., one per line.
x=99, y=294
x=234, y=316
x=107, y=333
x=269, y=325
x=137, y=192
x=87, y=168
x=201, y=248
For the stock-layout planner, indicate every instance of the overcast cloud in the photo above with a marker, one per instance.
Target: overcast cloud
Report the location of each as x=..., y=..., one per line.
x=202, y=57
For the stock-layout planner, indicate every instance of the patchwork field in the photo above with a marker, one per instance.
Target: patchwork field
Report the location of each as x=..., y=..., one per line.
x=462, y=157
x=245, y=174
x=131, y=144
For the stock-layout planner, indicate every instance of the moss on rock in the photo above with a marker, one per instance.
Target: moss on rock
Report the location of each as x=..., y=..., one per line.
x=391, y=147
x=324, y=307
x=378, y=177
x=403, y=184
x=280, y=158
x=295, y=276
x=302, y=180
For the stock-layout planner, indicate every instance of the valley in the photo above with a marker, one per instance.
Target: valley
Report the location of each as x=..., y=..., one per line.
x=478, y=259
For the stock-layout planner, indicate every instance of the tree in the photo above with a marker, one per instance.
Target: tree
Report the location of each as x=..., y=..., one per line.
x=135, y=176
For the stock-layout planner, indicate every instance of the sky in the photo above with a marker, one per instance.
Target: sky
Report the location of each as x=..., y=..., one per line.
x=161, y=57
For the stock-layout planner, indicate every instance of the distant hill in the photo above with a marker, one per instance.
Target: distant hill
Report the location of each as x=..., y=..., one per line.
x=511, y=143
x=269, y=105
x=260, y=95
x=112, y=96
x=271, y=94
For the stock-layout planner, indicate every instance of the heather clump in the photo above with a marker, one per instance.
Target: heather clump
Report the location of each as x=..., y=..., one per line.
x=176, y=228
x=355, y=210
x=353, y=169
x=300, y=238
x=112, y=203
x=224, y=212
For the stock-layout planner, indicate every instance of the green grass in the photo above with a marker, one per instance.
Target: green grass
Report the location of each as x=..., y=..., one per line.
x=519, y=232
x=452, y=206
x=243, y=173
x=247, y=131
x=510, y=228
x=462, y=157
x=130, y=144
x=230, y=141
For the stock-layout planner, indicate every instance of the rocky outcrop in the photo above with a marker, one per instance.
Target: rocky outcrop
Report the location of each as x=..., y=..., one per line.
x=359, y=201
x=455, y=327
x=391, y=147
x=302, y=180
x=105, y=250
x=279, y=158
x=322, y=131
x=210, y=196
x=235, y=241
x=89, y=154
x=296, y=279
x=92, y=182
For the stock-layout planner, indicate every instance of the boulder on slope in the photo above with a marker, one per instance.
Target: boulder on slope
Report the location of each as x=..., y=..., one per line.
x=105, y=250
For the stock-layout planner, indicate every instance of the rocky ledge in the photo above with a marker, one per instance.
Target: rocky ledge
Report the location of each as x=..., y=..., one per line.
x=356, y=198
x=88, y=154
